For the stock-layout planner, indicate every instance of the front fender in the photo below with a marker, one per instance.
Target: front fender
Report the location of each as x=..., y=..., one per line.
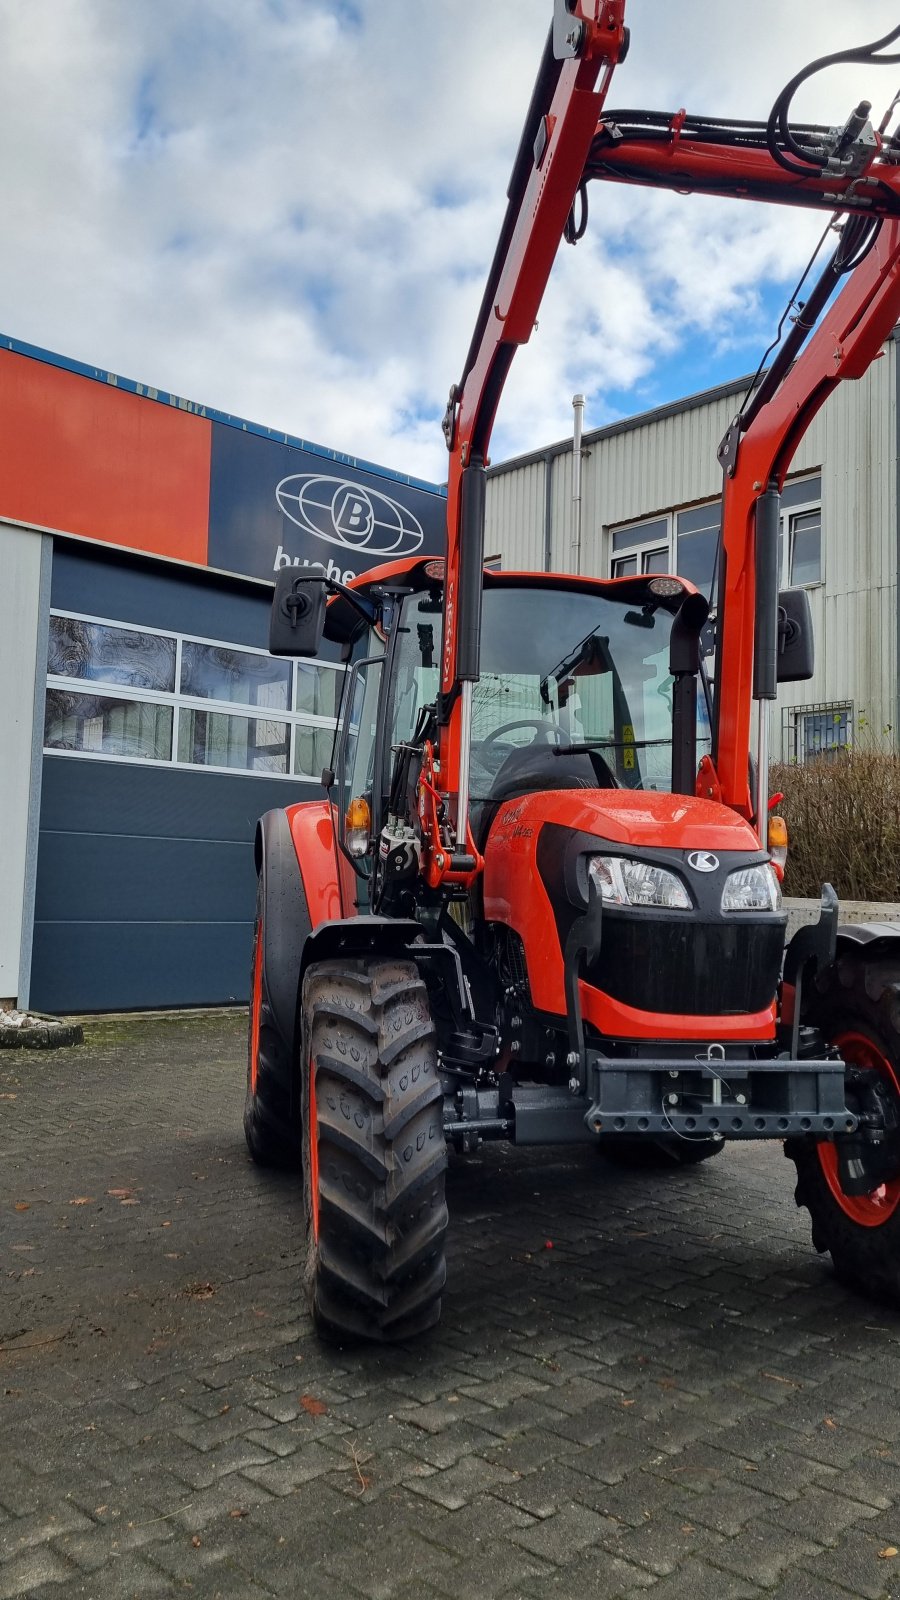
x=869, y=938
x=286, y=920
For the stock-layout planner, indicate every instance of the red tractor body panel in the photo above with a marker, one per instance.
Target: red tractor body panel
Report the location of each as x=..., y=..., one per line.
x=515, y=894
x=312, y=830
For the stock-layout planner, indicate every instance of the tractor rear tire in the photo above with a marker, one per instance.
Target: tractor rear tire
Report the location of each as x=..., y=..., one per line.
x=375, y=1156
x=270, y=1126
x=643, y=1154
x=856, y=1004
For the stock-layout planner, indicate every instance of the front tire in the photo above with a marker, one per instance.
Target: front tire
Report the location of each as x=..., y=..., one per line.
x=375, y=1157
x=856, y=1004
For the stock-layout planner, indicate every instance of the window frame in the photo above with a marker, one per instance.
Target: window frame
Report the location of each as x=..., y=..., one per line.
x=788, y=518
x=836, y=710
x=643, y=547
x=124, y=692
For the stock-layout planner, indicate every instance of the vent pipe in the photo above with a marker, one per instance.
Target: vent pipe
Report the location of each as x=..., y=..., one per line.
x=578, y=408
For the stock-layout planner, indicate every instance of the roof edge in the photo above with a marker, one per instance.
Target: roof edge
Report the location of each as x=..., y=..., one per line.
x=164, y=397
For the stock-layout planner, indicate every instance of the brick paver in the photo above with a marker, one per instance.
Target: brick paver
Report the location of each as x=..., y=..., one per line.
x=642, y=1385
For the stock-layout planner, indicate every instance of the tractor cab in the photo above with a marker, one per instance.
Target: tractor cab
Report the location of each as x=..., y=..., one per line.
x=577, y=689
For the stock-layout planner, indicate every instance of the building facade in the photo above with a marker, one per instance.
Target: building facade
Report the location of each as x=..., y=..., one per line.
x=650, y=501
x=143, y=725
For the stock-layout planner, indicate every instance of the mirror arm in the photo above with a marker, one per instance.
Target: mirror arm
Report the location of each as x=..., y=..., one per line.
x=367, y=612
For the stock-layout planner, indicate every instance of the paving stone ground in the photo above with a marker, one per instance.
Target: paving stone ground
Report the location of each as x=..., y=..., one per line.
x=643, y=1385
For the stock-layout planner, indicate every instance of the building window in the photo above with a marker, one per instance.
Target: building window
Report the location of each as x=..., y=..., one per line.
x=801, y=533
x=818, y=731
x=686, y=541
x=102, y=653
x=805, y=547
x=698, y=539
x=219, y=672
x=172, y=699
x=643, y=547
x=104, y=726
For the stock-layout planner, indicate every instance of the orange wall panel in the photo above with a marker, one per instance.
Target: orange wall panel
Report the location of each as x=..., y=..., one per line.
x=88, y=458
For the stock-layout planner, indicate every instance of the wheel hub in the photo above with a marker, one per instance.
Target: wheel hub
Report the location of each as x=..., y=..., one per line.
x=862, y=1170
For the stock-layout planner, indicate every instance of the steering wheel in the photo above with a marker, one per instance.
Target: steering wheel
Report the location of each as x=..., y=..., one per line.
x=546, y=732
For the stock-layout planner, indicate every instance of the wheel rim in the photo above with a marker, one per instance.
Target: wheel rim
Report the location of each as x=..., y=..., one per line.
x=255, y=1008
x=875, y=1209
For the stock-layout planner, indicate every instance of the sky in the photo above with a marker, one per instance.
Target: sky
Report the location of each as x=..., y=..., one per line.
x=286, y=209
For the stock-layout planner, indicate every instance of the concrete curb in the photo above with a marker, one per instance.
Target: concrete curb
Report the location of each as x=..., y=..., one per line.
x=22, y=1030
x=802, y=912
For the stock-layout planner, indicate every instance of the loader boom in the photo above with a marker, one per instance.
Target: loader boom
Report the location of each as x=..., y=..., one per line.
x=565, y=143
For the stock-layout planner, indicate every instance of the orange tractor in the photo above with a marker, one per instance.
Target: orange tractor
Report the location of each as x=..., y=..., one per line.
x=540, y=898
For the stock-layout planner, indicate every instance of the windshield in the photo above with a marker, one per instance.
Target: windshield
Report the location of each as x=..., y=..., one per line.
x=565, y=674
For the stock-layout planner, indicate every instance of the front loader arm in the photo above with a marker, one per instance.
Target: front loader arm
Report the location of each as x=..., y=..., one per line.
x=587, y=40
x=565, y=143
x=848, y=339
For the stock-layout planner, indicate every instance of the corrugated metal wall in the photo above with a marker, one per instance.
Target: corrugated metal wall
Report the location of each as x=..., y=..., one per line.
x=667, y=460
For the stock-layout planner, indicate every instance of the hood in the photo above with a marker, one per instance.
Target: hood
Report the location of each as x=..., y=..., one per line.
x=641, y=818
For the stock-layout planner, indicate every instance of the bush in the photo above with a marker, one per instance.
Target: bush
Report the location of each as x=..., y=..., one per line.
x=843, y=819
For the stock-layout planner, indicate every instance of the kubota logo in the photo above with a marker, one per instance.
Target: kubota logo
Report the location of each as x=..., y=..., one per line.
x=346, y=514
x=703, y=861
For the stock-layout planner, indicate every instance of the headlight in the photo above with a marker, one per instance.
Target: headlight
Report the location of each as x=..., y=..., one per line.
x=633, y=883
x=752, y=889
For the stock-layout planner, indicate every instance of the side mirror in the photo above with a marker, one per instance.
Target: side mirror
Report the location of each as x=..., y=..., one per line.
x=298, y=614
x=796, y=646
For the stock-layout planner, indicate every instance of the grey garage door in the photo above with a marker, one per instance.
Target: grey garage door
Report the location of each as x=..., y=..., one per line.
x=161, y=751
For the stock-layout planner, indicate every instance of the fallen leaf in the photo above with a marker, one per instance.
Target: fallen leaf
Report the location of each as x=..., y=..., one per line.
x=237, y=1511
x=223, y=1409
x=776, y=1377
x=7, y=1097
x=165, y=1224
x=200, y=1291
x=888, y=1553
x=82, y=1200
x=627, y=1402
x=23, y=1205
x=829, y=1422
x=315, y=1408
x=129, y=1201
x=120, y=1194
x=196, y=1541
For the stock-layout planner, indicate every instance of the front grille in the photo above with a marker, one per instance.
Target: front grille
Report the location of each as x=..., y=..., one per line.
x=687, y=967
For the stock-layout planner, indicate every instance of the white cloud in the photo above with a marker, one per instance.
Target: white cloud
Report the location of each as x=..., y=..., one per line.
x=287, y=210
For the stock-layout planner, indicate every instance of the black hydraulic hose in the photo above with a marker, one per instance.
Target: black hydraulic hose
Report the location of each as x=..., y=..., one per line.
x=778, y=123
x=858, y=237
x=541, y=97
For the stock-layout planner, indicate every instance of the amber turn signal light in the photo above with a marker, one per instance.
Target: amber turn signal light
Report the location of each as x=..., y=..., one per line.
x=778, y=844
x=357, y=826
